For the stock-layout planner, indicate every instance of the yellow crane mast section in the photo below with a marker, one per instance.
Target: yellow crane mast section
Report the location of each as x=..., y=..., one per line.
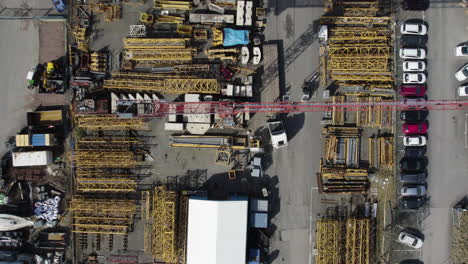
x=110, y=122
x=362, y=76
x=360, y=12
x=360, y=31
x=353, y=64
x=105, y=185
x=156, y=76
x=361, y=21
x=172, y=86
x=150, y=43
x=361, y=51
x=160, y=56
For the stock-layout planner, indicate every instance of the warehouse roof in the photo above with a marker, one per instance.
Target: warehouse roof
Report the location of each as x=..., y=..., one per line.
x=217, y=232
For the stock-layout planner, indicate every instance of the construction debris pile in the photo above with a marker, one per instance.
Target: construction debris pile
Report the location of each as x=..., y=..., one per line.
x=48, y=209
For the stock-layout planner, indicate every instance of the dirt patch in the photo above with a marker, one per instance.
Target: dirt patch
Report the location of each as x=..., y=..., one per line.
x=52, y=44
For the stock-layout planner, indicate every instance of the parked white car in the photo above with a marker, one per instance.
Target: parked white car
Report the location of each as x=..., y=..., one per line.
x=461, y=50
x=413, y=29
x=412, y=53
x=414, y=141
x=414, y=78
x=463, y=90
x=462, y=74
x=410, y=239
x=412, y=65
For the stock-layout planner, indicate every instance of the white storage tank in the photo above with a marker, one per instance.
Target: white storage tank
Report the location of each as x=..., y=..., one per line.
x=32, y=158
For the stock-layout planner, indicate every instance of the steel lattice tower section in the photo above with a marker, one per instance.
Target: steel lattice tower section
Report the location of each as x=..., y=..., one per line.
x=171, y=86
x=109, y=122
x=94, y=156
x=94, y=216
x=155, y=43
x=357, y=241
x=328, y=239
x=164, y=240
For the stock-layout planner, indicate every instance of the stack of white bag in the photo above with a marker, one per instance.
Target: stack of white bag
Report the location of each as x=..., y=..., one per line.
x=47, y=209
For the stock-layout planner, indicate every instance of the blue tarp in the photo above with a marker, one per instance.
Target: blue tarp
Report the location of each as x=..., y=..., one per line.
x=234, y=37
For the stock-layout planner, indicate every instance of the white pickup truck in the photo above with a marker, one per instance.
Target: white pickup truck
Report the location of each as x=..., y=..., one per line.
x=278, y=134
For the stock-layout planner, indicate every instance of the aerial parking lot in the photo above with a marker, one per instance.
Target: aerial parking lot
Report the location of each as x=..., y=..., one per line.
x=234, y=131
x=446, y=152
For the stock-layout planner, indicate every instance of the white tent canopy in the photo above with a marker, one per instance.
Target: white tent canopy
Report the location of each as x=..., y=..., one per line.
x=217, y=232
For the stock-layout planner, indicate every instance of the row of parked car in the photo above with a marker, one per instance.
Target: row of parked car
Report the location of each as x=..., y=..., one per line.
x=462, y=74
x=413, y=165
x=413, y=173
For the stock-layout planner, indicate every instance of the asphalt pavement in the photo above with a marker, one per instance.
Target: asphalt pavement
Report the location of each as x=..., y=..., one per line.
x=20, y=53
x=293, y=24
x=447, y=151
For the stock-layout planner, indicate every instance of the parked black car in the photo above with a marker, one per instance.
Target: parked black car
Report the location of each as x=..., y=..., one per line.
x=413, y=177
x=413, y=41
x=414, y=116
x=415, y=152
x=412, y=202
x=415, y=5
x=412, y=164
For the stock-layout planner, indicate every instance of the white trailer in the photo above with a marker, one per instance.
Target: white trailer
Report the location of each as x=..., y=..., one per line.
x=32, y=158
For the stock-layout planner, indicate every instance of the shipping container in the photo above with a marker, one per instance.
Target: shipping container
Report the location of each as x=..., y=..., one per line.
x=44, y=118
x=35, y=140
x=258, y=205
x=258, y=220
x=42, y=140
x=32, y=158
x=22, y=141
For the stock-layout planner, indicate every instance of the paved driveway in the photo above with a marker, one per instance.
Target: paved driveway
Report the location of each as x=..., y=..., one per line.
x=447, y=153
x=293, y=24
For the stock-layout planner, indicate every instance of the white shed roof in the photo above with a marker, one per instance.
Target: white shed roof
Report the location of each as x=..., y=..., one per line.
x=217, y=232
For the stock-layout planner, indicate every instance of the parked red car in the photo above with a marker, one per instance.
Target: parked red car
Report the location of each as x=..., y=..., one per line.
x=414, y=128
x=413, y=90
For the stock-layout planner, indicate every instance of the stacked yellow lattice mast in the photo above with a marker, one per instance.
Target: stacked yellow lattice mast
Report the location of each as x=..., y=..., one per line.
x=359, y=45
x=100, y=216
x=168, y=227
x=103, y=164
x=343, y=241
x=157, y=51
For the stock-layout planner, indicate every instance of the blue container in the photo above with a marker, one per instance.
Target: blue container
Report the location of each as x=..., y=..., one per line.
x=254, y=256
x=258, y=220
x=38, y=140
